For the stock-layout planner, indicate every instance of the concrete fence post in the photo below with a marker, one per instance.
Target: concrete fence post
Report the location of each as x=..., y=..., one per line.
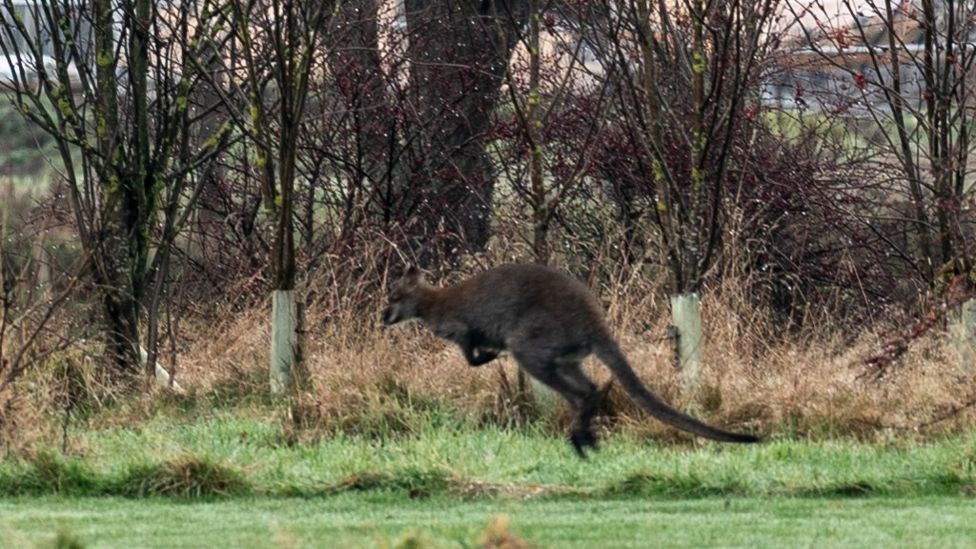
x=686, y=320
x=963, y=330
x=284, y=340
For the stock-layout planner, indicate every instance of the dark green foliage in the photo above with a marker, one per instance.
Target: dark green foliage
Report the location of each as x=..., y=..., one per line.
x=26, y=148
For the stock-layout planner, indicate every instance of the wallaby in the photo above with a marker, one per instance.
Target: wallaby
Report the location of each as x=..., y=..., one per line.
x=549, y=322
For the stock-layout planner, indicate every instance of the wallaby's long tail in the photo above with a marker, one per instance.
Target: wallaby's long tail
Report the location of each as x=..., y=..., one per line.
x=613, y=357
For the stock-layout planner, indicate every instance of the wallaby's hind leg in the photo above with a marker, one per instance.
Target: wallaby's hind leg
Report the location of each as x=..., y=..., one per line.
x=572, y=373
x=577, y=394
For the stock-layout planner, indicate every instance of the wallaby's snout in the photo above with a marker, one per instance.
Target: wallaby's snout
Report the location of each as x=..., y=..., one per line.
x=403, y=299
x=397, y=309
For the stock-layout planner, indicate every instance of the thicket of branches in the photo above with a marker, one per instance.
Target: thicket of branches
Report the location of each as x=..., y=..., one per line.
x=211, y=151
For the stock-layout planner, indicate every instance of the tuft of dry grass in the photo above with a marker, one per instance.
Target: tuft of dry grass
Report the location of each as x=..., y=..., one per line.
x=498, y=536
x=51, y=397
x=187, y=477
x=16, y=419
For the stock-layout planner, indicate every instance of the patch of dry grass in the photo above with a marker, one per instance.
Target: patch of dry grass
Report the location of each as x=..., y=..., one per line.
x=373, y=381
x=811, y=383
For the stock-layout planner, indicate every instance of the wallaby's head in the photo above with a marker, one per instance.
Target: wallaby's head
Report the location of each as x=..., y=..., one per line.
x=404, y=297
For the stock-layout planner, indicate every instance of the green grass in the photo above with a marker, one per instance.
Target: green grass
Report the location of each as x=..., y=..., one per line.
x=233, y=477
x=27, y=148
x=227, y=454
x=385, y=520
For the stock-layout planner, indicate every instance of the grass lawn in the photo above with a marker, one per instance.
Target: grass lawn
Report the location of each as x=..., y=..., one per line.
x=226, y=454
x=232, y=479
x=386, y=519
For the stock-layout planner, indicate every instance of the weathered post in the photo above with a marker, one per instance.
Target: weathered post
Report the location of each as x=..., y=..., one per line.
x=284, y=340
x=963, y=330
x=686, y=319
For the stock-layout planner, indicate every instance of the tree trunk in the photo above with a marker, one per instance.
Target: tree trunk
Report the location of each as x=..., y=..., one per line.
x=284, y=319
x=120, y=254
x=458, y=55
x=295, y=37
x=544, y=397
x=363, y=84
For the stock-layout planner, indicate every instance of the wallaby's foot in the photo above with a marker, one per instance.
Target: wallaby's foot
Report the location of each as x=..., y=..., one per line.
x=582, y=439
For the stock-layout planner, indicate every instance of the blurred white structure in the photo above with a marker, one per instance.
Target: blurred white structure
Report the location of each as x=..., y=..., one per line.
x=831, y=43
x=39, y=34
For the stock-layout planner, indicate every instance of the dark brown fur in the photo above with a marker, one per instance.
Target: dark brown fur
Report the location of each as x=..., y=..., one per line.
x=549, y=322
